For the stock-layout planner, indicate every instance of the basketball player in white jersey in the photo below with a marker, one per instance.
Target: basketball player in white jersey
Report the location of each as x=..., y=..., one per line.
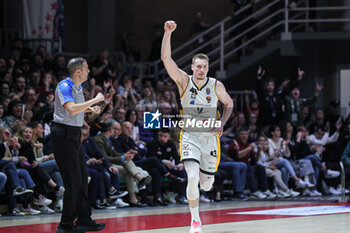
x=199, y=148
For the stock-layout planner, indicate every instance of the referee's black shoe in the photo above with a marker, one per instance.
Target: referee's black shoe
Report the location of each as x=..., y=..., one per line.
x=90, y=225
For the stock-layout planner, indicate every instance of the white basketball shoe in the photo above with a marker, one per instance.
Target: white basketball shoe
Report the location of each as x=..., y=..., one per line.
x=196, y=227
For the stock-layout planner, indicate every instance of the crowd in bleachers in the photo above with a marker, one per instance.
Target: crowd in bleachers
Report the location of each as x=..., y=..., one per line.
x=277, y=147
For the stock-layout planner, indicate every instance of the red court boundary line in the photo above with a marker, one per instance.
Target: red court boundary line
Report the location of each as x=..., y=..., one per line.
x=158, y=221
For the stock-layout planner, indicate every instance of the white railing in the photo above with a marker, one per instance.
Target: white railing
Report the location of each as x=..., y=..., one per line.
x=291, y=19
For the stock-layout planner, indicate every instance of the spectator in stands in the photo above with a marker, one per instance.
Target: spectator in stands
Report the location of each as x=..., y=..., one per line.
x=60, y=66
x=150, y=164
x=279, y=152
x=321, y=138
x=137, y=86
x=11, y=147
x=34, y=78
x=147, y=97
x=19, y=85
x=302, y=167
x=131, y=116
x=37, y=172
x=46, y=85
x=325, y=148
x=169, y=97
x=253, y=128
x=235, y=171
x=17, y=116
x=241, y=151
x=271, y=100
x=271, y=169
x=29, y=98
x=126, y=91
x=14, y=188
x=303, y=151
x=252, y=106
x=111, y=148
x=47, y=162
x=294, y=104
x=102, y=69
x=4, y=88
x=307, y=116
x=97, y=161
x=165, y=150
x=119, y=114
x=320, y=121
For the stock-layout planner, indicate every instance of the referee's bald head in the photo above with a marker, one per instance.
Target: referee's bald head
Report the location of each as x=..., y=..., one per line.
x=75, y=64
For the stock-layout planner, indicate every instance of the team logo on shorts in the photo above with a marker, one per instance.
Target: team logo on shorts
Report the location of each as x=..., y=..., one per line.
x=151, y=120
x=213, y=153
x=186, y=146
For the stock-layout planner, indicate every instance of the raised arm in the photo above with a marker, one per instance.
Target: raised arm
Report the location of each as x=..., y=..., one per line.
x=176, y=74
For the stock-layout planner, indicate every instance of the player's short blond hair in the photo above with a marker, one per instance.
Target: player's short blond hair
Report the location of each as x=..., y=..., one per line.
x=200, y=56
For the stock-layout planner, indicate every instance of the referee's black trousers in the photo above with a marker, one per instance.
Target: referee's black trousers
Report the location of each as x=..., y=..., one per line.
x=70, y=160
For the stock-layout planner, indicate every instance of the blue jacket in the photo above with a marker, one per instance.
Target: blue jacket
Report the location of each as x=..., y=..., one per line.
x=91, y=150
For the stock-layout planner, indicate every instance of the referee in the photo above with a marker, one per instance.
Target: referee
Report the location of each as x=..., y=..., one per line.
x=68, y=120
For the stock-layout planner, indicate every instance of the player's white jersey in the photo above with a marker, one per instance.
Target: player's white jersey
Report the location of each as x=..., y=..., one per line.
x=200, y=103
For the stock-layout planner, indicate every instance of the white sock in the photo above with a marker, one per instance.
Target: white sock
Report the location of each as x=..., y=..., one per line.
x=195, y=214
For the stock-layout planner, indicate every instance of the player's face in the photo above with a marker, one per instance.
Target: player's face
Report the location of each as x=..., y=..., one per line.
x=200, y=68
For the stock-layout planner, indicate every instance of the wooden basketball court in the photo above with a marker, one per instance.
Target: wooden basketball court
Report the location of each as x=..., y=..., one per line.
x=223, y=217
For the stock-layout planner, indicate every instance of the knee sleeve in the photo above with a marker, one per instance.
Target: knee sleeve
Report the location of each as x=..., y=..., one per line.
x=192, y=170
x=206, y=181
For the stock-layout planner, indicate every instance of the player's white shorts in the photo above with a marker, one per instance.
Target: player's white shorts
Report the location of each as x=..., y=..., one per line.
x=201, y=148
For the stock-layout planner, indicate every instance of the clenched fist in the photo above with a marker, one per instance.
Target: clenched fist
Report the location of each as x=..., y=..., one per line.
x=169, y=26
x=99, y=97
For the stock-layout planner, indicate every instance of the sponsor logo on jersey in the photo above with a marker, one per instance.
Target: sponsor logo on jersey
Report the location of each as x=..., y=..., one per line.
x=207, y=91
x=208, y=99
x=193, y=91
